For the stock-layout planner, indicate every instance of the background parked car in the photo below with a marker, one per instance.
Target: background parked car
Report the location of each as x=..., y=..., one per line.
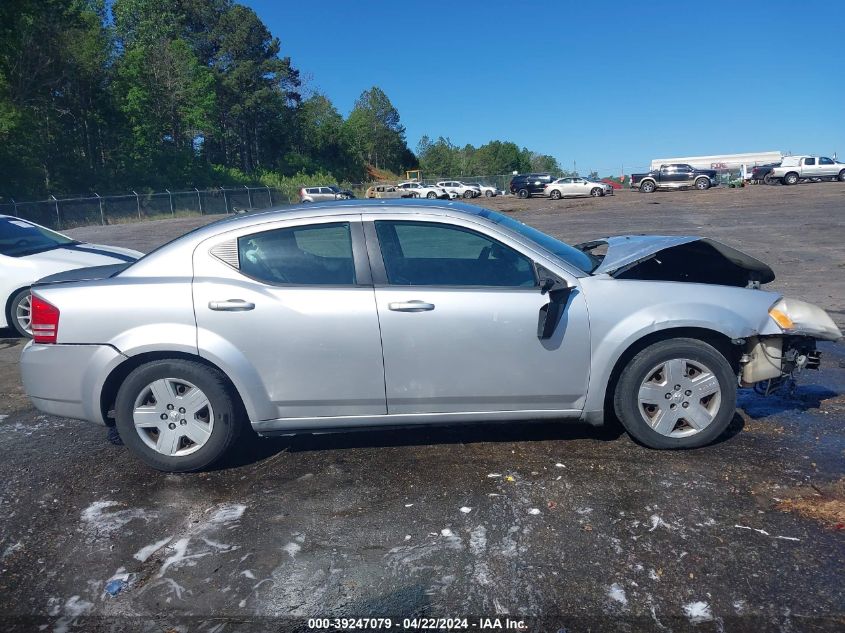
x=527, y=185
x=323, y=193
x=419, y=190
x=675, y=176
x=574, y=186
x=795, y=168
x=387, y=191
x=29, y=252
x=463, y=190
x=486, y=190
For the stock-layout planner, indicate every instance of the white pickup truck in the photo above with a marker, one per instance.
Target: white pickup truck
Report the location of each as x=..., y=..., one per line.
x=795, y=168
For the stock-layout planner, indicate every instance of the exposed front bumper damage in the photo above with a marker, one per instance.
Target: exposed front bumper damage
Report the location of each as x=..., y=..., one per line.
x=787, y=346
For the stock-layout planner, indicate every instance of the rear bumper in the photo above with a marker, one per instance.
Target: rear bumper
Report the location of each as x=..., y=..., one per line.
x=67, y=380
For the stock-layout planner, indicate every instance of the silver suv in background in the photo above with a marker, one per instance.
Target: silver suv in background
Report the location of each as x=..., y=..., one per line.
x=324, y=193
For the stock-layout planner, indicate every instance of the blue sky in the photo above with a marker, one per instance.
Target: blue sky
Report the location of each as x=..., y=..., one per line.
x=604, y=84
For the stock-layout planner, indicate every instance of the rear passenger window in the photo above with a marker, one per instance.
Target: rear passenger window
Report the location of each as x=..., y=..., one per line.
x=319, y=254
x=431, y=254
x=810, y=161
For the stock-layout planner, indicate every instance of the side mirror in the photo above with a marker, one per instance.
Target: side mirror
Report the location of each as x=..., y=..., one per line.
x=550, y=313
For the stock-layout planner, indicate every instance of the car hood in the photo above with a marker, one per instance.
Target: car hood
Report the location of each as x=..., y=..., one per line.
x=84, y=255
x=626, y=251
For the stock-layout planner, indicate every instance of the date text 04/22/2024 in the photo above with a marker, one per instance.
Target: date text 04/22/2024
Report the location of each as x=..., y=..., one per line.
x=418, y=624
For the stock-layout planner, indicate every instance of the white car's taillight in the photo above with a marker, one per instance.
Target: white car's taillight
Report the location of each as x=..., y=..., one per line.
x=45, y=321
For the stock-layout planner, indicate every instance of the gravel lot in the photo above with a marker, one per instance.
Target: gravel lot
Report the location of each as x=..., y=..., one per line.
x=576, y=526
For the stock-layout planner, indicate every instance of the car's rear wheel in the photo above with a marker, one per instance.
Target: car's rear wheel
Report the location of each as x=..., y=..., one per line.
x=768, y=179
x=431, y=195
x=842, y=176
x=596, y=192
x=791, y=178
x=555, y=194
x=20, y=313
x=702, y=183
x=522, y=193
x=177, y=415
x=468, y=194
x=647, y=187
x=677, y=393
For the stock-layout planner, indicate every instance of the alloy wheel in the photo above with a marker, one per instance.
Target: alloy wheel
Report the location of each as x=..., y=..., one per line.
x=679, y=397
x=23, y=314
x=173, y=417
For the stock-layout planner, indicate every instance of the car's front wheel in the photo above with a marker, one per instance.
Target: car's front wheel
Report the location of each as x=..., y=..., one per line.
x=842, y=176
x=489, y=193
x=596, y=192
x=431, y=195
x=177, y=415
x=20, y=313
x=677, y=393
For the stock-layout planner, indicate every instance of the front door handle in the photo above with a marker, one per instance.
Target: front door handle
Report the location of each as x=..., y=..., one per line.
x=231, y=305
x=411, y=306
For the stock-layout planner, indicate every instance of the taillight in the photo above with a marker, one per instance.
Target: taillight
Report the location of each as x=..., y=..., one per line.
x=45, y=321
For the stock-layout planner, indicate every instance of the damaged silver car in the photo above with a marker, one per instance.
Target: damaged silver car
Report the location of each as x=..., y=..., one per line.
x=374, y=313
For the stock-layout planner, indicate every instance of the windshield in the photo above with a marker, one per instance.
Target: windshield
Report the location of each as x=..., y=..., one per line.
x=19, y=238
x=571, y=255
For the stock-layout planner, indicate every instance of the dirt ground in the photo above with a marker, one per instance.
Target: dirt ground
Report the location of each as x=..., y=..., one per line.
x=570, y=527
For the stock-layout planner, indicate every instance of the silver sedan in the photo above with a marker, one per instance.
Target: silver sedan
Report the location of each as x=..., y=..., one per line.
x=368, y=313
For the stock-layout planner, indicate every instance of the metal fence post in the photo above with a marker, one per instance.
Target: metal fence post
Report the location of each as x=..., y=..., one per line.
x=270, y=195
x=58, y=216
x=225, y=200
x=138, y=201
x=199, y=199
x=15, y=205
x=102, y=215
x=248, y=196
x=171, y=203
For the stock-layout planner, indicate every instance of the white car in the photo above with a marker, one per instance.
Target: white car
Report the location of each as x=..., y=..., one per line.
x=29, y=252
x=463, y=191
x=576, y=186
x=486, y=190
x=420, y=190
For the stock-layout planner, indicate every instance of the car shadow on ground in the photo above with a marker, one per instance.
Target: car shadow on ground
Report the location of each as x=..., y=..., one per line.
x=252, y=448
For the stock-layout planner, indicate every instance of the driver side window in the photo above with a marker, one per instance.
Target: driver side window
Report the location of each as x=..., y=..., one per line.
x=433, y=254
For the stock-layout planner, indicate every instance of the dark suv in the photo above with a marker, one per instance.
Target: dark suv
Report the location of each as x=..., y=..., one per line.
x=527, y=185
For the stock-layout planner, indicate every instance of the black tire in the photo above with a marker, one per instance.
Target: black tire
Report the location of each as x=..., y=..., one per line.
x=555, y=195
x=11, y=313
x=626, y=395
x=768, y=179
x=702, y=184
x=522, y=193
x=596, y=192
x=489, y=194
x=790, y=179
x=228, y=421
x=431, y=195
x=468, y=194
x=842, y=176
x=648, y=186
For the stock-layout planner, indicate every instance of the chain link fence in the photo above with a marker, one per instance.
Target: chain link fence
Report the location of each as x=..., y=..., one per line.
x=65, y=213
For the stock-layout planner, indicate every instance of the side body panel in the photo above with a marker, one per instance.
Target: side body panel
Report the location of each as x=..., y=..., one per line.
x=624, y=311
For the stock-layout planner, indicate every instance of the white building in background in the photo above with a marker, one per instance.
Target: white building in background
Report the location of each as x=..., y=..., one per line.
x=732, y=162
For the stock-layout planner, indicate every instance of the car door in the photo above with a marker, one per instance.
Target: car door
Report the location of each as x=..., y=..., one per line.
x=567, y=187
x=580, y=187
x=809, y=168
x=827, y=167
x=288, y=306
x=458, y=310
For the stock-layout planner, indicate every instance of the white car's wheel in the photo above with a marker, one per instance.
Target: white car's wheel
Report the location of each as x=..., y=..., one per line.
x=20, y=313
x=596, y=192
x=555, y=194
x=431, y=195
x=488, y=193
x=791, y=178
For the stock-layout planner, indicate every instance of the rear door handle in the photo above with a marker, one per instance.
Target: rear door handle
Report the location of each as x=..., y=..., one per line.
x=410, y=306
x=231, y=305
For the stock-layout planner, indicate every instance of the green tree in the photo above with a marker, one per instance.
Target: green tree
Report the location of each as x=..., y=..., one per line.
x=377, y=134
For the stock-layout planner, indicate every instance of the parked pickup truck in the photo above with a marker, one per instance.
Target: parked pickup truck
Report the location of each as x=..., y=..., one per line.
x=675, y=176
x=795, y=168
